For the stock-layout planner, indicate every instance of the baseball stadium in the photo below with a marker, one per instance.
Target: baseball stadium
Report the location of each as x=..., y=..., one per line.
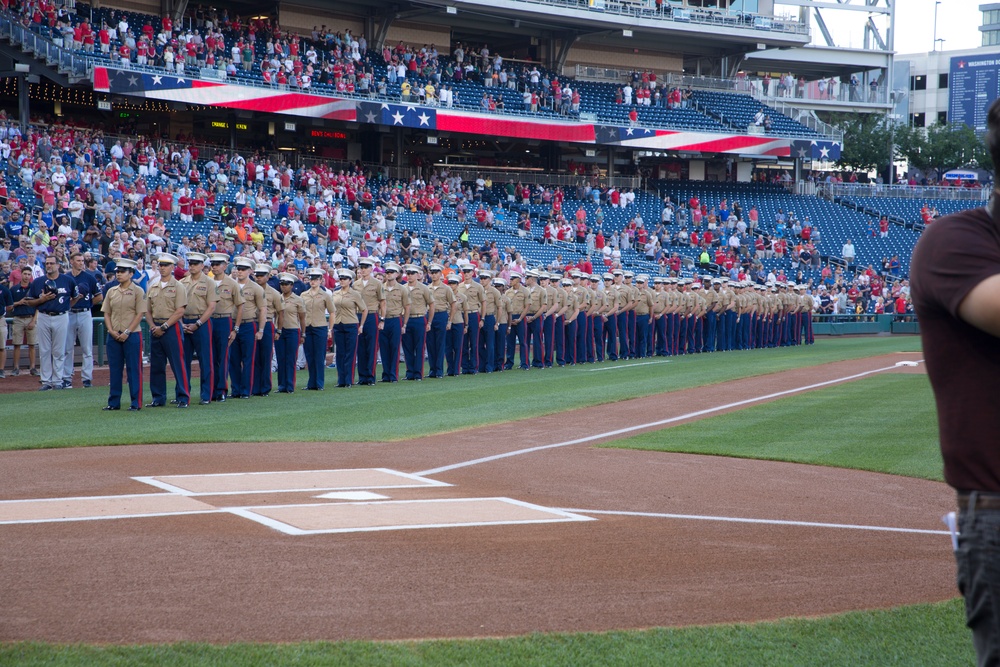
x=660, y=396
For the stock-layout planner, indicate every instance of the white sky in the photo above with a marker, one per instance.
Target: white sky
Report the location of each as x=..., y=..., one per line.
x=958, y=24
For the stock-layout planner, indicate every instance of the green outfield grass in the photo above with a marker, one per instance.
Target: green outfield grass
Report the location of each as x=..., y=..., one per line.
x=404, y=410
x=884, y=423
x=926, y=635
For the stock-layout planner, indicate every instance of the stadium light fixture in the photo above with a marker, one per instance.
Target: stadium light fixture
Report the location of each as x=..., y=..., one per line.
x=451, y=10
x=626, y=33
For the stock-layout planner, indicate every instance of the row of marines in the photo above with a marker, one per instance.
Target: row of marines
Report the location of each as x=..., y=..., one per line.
x=466, y=322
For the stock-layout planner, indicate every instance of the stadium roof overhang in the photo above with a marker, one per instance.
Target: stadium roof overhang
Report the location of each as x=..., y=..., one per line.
x=817, y=61
x=530, y=19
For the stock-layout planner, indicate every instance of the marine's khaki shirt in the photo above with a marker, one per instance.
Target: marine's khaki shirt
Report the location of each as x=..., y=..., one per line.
x=621, y=297
x=443, y=298
x=460, y=312
x=491, y=301
x=318, y=302
x=503, y=306
x=644, y=303
x=272, y=304
x=420, y=298
x=537, y=299
x=253, y=300
x=517, y=299
x=229, y=296
x=373, y=292
x=659, y=303
x=349, y=304
x=474, y=295
x=122, y=304
x=291, y=307
x=397, y=299
x=201, y=293
x=552, y=298
x=164, y=298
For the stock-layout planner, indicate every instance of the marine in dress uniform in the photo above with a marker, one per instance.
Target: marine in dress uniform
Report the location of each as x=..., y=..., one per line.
x=623, y=303
x=455, y=336
x=419, y=324
x=562, y=305
x=570, y=319
x=633, y=297
x=487, y=332
x=444, y=309
x=318, y=303
x=475, y=295
x=643, y=309
x=611, y=321
x=659, y=318
x=397, y=312
x=351, y=310
x=503, y=319
x=582, y=291
x=537, y=307
x=265, y=346
x=166, y=302
x=600, y=298
x=517, y=328
x=368, y=334
x=249, y=330
x=548, y=321
x=228, y=311
x=291, y=324
x=123, y=308
x=196, y=323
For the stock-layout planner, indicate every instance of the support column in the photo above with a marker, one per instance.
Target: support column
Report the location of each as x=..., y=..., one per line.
x=23, y=105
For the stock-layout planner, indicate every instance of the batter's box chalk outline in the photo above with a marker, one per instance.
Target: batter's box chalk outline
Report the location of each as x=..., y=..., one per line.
x=175, y=483
x=255, y=513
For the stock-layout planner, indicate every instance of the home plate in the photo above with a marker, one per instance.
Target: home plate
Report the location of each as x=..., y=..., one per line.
x=287, y=481
x=315, y=519
x=352, y=495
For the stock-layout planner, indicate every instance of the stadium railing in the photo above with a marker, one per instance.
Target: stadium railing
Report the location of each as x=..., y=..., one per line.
x=831, y=190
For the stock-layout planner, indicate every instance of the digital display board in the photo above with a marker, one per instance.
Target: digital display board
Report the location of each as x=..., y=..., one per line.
x=327, y=134
x=973, y=84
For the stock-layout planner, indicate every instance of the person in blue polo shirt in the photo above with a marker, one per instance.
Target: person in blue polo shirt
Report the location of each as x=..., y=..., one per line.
x=53, y=295
x=81, y=322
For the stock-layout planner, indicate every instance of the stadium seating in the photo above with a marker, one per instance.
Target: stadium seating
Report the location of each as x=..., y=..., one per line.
x=714, y=112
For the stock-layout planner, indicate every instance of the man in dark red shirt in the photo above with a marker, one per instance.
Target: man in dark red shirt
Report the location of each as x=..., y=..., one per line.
x=955, y=286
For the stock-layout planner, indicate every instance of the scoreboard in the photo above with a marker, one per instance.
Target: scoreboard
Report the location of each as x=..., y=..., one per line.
x=973, y=84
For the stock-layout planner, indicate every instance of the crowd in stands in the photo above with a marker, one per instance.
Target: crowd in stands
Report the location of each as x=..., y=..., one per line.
x=69, y=189
x=258, y=51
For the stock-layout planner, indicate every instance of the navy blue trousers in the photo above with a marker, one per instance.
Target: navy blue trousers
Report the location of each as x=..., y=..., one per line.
x=125, y=357
x=163, y=349
x=221, y=328
x=414, y=339
x=437, y=341
x=388, y=347
x=314, y=348
x=286, y=349
x=345, y=343
x=200, y=343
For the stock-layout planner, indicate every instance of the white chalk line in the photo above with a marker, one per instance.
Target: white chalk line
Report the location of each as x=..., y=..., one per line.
x=773, y=522
x=661, y=422
x=615, y=368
